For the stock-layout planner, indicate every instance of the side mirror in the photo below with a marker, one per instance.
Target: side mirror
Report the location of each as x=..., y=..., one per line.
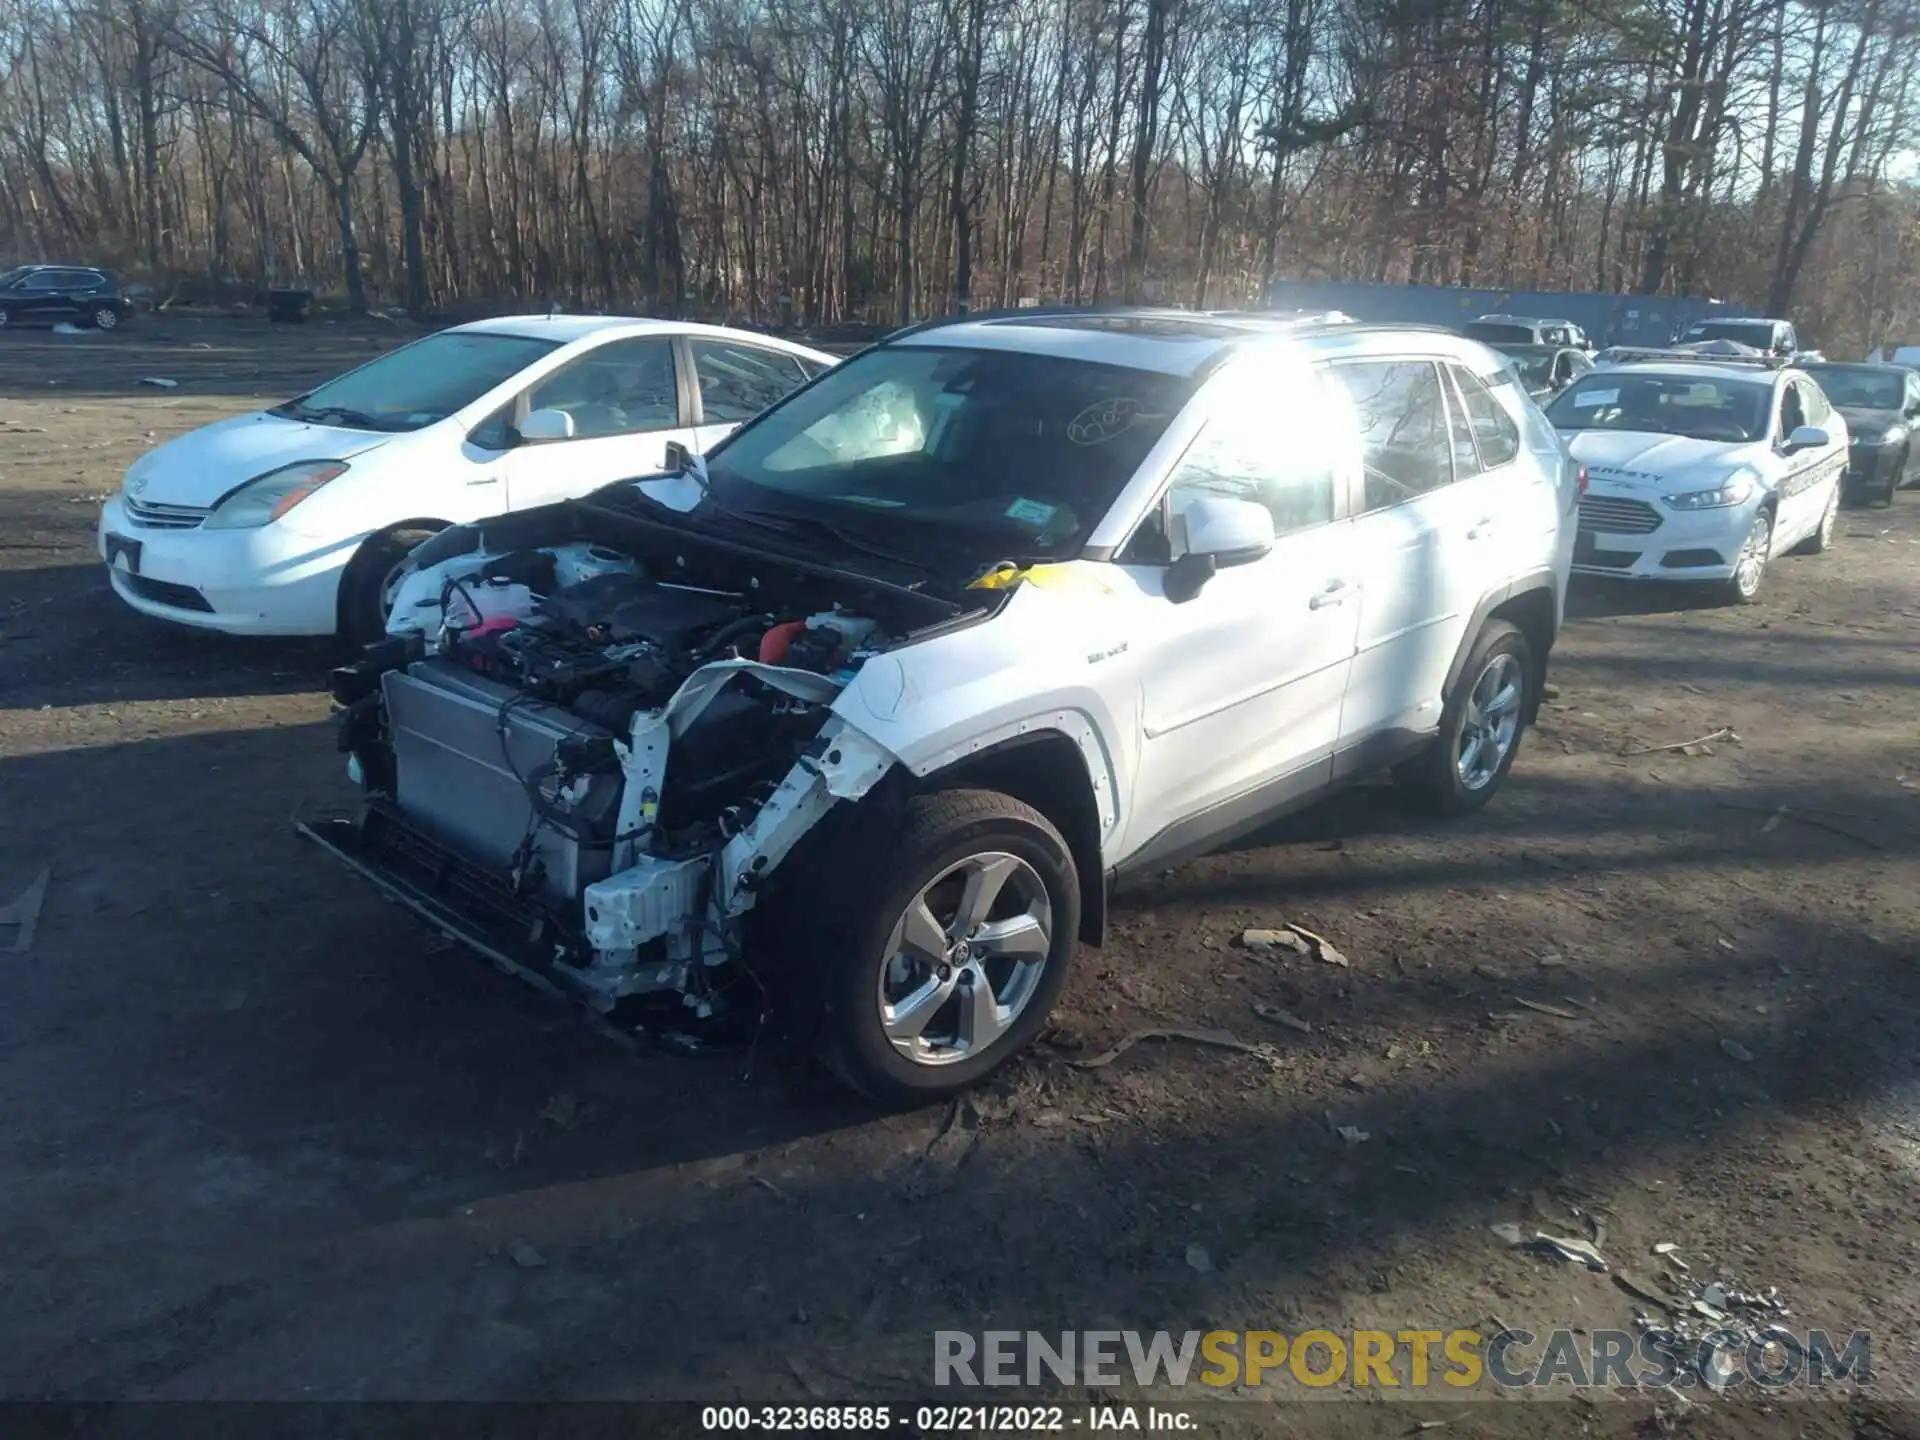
x=679, y=457
x=542, y=426
x=1806, y=437
x=1219, y=533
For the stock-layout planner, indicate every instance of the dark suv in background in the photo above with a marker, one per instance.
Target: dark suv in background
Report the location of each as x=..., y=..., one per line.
x=48, y=294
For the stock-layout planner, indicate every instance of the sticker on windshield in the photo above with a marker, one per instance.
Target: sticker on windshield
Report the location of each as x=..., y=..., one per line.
x=1031, y=512
x=1103, y=420
x=1588, y=399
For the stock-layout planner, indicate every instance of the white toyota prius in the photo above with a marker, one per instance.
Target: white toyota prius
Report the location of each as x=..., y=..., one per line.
x=297, y=520
x=1701, y=470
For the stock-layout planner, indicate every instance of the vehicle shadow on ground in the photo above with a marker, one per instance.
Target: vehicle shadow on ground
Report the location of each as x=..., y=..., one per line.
x=129, y=657
x=388, y=1115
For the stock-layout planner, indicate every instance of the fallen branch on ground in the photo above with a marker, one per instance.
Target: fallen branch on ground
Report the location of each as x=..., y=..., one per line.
x=1218, y=1039
x=1725, y=732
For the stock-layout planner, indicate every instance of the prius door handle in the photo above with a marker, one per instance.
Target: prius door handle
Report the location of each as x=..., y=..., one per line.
x=486, y=480
x=1334, y=592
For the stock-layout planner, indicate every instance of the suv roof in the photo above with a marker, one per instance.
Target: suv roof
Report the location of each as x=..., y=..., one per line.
x=1171, y=342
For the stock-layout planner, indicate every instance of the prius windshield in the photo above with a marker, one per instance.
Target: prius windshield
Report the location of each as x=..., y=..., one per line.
x=420, y=383
x=1699, y=408
x=1029, y=449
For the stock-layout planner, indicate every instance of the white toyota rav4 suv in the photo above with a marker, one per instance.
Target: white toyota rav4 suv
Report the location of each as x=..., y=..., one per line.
x=857, y=721
x=1701, y=470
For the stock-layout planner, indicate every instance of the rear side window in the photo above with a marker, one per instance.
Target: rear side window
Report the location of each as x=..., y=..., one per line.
x=1406, y=445
x=1495, y=435
x=737, y=382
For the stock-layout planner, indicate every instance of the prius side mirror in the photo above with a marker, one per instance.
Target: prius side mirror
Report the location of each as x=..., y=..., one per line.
x=543, y=426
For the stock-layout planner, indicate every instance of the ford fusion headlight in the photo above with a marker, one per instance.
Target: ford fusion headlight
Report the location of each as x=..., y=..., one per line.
x=265, y=498
x=1737, y=489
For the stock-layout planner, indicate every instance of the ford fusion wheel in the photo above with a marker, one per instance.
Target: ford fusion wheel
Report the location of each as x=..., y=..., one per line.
x=1750, y=566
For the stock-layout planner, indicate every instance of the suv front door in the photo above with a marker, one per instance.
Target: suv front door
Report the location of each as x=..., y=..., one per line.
x=1241, y=685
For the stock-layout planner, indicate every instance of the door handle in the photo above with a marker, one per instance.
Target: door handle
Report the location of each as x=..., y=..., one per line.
x=1333, y=593
x=1481, y=528
x=490, y=480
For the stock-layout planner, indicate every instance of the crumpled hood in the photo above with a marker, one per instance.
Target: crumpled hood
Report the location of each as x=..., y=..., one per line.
x=203, y=465
x=1635, y=458
x=1863, y=424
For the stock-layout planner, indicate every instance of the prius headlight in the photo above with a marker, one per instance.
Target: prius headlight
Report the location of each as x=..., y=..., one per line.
x=265, y=498
x=1736, y=489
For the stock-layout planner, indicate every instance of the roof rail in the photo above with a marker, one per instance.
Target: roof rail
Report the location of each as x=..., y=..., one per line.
x=1633, y=354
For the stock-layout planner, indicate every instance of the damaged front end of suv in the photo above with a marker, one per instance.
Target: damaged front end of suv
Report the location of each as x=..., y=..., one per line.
x=593, y=735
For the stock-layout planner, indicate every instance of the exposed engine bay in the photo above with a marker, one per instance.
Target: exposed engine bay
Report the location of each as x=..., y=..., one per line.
x=590, y=738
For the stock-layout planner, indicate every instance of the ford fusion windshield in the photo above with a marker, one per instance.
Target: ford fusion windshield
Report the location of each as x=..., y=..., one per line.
x=1715, y=409
x=1029, y=450
x=419, y=383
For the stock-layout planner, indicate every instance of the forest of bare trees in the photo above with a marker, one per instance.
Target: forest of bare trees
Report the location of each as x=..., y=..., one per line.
x=810, y=161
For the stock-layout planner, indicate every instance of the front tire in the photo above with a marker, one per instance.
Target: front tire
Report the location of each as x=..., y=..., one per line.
x=104, y=317
x=946, y=945
x=1480, y=725
x=366, y=586
x=1750, y=565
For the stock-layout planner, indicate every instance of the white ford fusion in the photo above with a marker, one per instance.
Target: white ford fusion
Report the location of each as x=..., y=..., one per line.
x=295, y=520
x=1701, y=470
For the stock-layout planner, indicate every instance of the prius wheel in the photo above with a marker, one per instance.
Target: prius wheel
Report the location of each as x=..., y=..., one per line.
x=373, y=575
x=946, y=964
x=1480, y=726
x=1750, y=566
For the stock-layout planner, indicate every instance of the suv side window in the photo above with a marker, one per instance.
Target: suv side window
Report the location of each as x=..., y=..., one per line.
x=623, y=388
x=1495, y=435
x=737, y=382
x=1406, y=446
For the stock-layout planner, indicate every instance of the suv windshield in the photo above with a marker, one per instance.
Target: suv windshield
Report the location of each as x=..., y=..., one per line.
x=420, y=383
x=1698, y=408
x=1029, y=449
x=1861, y=387
x=1757, y=333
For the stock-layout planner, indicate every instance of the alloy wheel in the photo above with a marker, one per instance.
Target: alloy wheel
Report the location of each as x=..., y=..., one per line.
x=106, y=319
x=1752, y=561
x=1491, y=723
x=965, y=959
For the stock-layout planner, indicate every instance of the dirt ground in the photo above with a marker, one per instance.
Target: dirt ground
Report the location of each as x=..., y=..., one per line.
x=261, y=1137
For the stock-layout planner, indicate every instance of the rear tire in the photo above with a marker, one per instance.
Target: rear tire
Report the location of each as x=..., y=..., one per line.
x=365, y=584
x=1490, y=703
x=869, y=962
x=1821, y=540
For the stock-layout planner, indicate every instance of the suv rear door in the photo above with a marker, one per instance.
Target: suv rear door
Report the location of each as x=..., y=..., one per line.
x=1415, y=597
